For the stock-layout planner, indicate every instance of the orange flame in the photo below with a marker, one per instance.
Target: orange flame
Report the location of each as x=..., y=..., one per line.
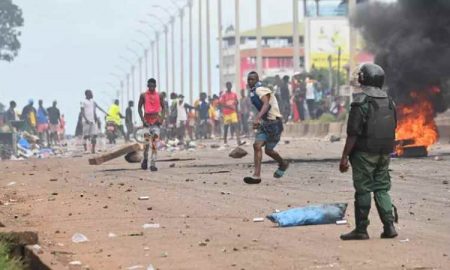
x=416, y=121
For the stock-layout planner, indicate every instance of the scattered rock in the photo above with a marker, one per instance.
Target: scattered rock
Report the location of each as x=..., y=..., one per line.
x=445, y=182
x=238, y=152
x=53, y=179
x=134, y=157
x=172, y=165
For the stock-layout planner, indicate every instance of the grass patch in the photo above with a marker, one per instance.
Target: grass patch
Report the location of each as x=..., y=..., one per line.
x=6, y=262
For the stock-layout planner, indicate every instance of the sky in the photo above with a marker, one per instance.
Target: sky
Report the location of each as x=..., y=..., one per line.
x=72, y=45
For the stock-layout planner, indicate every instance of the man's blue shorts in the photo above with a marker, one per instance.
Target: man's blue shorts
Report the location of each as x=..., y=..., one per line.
x=262, y=135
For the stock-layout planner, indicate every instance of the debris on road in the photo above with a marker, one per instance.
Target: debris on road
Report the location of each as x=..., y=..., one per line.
x=258, y=219
x=79, y=238
x=114, y=154
x=238, y=152
x=134, y=157
x=341, y=222
x=310, y=215
x=151, y=226
x=144, y=198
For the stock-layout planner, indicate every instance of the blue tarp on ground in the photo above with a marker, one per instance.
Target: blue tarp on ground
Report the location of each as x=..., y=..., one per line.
x=310, y=215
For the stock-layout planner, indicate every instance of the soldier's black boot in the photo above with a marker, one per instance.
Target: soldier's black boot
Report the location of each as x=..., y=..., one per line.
x=389, y=231
x=355, y=235
x=361, y=221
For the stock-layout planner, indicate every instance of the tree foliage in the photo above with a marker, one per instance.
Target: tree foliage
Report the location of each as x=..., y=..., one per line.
x=10, y=20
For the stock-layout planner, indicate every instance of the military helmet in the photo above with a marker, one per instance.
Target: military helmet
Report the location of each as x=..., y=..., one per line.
x=371, y=75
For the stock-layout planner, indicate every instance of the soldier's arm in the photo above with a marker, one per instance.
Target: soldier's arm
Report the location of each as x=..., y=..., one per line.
x=354, y=129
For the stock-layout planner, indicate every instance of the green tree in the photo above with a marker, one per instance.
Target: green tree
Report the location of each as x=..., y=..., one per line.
x=10, y=20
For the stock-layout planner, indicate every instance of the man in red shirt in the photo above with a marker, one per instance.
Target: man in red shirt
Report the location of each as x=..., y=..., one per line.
x=152, y=117
x=229, y=104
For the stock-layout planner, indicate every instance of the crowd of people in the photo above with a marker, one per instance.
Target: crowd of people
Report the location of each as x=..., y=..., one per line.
x=47, y=123
x=225, y=115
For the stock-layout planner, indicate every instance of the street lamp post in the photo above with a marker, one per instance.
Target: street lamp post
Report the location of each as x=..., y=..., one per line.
x=296, y=60
x=237, y=52
x=200, y=48
x=145, y=56
x=219, y=17
x=139, y=58
x=166, y=47
x=208, y=50
x=128, y=79
x=152, y=43
x=191, y=55
x=258, y=38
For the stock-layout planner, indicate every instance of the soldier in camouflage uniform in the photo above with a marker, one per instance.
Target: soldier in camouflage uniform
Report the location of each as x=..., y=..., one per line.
x=370, y=140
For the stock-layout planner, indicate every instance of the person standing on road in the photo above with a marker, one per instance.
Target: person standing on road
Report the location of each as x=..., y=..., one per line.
x=245, y=108
x=29, y=117
x=370, y=140
x=229, y=104
x=269, y=124
x=42, y=123
x=54, y=120
x=89, y=116
x=151, y=111
x=129, y=119
x=10, y=114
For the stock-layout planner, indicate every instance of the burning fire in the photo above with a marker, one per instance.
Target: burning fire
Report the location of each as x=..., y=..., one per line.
x=416, y=126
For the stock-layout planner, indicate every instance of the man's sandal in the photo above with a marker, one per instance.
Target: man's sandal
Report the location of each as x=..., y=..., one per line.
x=252, y=180
x=281, y=170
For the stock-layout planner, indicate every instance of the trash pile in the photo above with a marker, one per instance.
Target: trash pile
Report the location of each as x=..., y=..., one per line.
x=28, y=146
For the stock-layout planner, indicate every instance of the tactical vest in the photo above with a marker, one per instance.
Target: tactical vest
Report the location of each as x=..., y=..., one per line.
x=379, y=126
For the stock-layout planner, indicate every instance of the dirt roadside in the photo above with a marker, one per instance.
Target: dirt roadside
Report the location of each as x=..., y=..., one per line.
x=205, y=212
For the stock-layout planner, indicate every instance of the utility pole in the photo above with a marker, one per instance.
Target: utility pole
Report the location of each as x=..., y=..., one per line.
x=158, y=66
x=146, y=63
x=132, y=84
x=200, y=49
x=295, y=37
x=122, y=95
x=166, y=39
x=128, y=87
x=181, y=52
x=258, y=38
x=219, y=16
x=172, y=26
x=191, y=55
x=140, y=76
x=208, y=49
x=237, y=52
x=152, y=47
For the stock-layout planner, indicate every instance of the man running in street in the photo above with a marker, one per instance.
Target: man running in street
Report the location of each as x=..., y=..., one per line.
x=89, y=116
x=269, y=124
x=151, y=117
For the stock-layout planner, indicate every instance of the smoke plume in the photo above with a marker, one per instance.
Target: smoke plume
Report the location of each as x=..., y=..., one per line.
x=411, y=41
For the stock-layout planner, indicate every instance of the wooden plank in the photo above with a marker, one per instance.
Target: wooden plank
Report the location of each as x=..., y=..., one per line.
x=118, y=152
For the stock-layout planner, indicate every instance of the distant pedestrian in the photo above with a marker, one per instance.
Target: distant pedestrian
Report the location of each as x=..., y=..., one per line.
x=245, y=109
x=11, y=114
x=129, y=119
x=89, y=114
x=54, y=117
x=29, y=116
x=229, y=104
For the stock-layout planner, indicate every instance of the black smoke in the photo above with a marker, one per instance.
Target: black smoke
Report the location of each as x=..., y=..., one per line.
x=411, y=41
